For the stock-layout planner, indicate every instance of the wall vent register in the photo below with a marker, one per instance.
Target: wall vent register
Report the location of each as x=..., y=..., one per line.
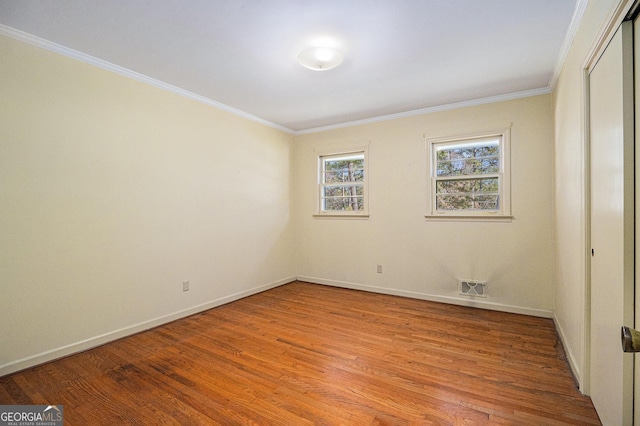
x=473, y=288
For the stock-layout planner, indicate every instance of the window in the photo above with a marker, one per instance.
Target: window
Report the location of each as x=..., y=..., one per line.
x=342, y=184
x=470, y=176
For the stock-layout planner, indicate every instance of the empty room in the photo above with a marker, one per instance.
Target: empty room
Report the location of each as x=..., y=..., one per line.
x=318, y=212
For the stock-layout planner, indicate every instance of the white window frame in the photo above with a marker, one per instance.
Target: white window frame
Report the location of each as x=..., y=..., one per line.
x=503, y=212
x=365, y=185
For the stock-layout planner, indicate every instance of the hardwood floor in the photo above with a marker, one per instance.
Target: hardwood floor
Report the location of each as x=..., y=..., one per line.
x=310, y=354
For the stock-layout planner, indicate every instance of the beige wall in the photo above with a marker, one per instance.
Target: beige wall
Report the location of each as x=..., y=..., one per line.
x=570, y=189
x=114, y=193
x=423, y=258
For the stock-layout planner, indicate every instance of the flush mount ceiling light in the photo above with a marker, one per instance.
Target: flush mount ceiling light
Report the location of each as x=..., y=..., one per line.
x=320, y=58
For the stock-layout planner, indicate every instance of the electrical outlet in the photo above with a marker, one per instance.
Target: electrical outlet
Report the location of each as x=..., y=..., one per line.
x=379, y=269
x=185, y=285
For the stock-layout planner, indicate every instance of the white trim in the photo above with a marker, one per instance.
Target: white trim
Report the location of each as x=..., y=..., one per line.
x=610, y=25
x=614, y=18
x=571, y=359
x=503, y=136
x=581, y=6
x=108, y=66
x=473, y=303
x=74, y=54
x=327, y=152
x=488, y=217
x=585, y=218
x=96, y=341
x=340, y=216
x=429, y=110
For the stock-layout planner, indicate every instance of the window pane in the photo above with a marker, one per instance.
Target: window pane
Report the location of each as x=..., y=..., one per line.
x=343, y=197
x=342, y=182
x=486, y=202
x=335, y=177
x=453, y=202
x=330, y=165
x=343, y=203
x=342, y=190
x=467, y=185
x=468, y=175
x=343, y=170
x=463, y=160
x=467, y=202
x=344, y=176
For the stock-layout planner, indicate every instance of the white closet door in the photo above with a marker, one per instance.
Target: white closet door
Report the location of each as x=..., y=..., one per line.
x=612, y=228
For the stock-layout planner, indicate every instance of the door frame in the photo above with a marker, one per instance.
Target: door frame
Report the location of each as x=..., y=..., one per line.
x=618, y=13
x=612, y=227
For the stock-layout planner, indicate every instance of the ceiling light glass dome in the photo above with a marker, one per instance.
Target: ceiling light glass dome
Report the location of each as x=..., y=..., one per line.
x=320, y=58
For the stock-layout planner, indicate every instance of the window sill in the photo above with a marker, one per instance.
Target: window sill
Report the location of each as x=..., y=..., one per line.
x=340, y=216
x=469, y=218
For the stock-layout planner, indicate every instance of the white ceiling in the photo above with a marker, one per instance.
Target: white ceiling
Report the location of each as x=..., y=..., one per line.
x=400, y=55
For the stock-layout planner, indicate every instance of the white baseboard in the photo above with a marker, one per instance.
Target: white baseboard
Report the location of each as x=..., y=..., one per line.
x=573, y=364
x=93, y=342
x=474, y=303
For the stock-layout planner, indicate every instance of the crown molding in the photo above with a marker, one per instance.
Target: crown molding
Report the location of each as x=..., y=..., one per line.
x=108, y=66
x=91, y=60
x=438, y=108
x=581, y=6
